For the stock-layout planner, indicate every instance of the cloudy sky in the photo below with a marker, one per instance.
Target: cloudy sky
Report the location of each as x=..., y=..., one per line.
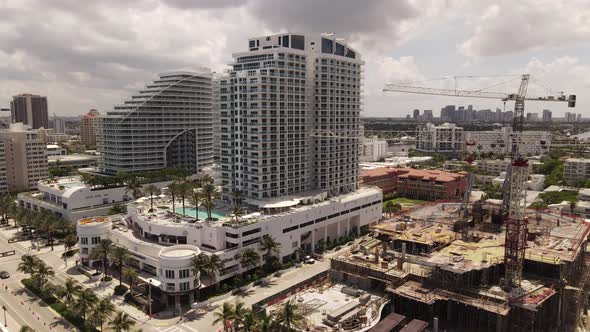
x=92, y=54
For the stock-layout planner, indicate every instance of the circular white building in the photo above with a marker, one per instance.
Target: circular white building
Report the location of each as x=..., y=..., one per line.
x=90, y=232
x=176, y=273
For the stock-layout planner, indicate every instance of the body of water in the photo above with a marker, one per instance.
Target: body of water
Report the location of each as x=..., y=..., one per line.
x=191, y=212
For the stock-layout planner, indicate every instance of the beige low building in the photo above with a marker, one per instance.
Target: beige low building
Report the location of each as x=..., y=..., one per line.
x=25, y=157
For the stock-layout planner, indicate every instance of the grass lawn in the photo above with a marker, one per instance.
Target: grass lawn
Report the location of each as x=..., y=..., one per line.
x=406, y=202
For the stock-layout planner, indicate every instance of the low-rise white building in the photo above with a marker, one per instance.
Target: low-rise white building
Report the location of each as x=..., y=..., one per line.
x=536, y=182
x=576, y=169
x=299, y=224
x=581, y=208
x=447, y=138
x=71, y=198
x=171, y=265
x=373, y=149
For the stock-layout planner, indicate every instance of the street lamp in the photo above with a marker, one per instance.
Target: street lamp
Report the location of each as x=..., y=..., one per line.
x=5, y=322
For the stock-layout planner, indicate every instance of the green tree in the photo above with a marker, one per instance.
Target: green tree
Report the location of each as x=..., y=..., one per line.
x=133, y=186
x=70, y=241
x=26, y=329
x=249, y=258
x=196, y=198
x=210, y=194
x=270, y=245
x=69, y=291
x=396, y=207
x=238, y=212
x=185, y=190
x=122, y=322
x=42, y=274
x=152, y=191
x=85, y=302
x=572, y=204
x=290, y=316
x=130, y=275
x=207, y=265
x=240, y=312
x=119, y=255
x=224, y=315
x=102, y=252
x=492, y=191
x=249, y=321
x=265, y=324
x=101, y=312
x=28, y=264
x=173, y=191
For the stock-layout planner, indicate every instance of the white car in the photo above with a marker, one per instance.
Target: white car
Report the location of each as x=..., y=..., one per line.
x=308, y=260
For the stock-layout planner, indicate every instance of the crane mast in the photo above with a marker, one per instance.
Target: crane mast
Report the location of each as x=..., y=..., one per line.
x=515, y=184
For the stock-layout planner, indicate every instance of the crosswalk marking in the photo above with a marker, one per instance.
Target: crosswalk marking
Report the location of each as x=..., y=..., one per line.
x=178, y=328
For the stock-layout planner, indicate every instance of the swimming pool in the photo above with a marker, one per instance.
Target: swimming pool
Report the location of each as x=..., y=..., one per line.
x=191, y=212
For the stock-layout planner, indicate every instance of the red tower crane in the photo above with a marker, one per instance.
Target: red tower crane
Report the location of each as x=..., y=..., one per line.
x=514, y=196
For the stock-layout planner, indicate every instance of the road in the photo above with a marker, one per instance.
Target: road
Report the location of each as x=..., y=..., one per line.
x=23, y=308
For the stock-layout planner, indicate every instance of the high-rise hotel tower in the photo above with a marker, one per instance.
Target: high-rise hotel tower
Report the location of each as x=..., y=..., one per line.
x=290, y=117
x=168, y=124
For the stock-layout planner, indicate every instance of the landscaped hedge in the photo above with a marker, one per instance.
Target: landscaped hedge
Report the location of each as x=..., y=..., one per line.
x=58, y=306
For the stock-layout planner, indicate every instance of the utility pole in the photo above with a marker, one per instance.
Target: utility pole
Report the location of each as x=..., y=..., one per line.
x=5, y=322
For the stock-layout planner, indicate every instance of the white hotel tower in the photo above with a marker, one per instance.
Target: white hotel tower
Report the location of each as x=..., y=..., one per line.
x=290, y=117
x=168, y=124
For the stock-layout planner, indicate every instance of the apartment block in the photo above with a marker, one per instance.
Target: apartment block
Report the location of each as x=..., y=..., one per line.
x=290, y=117
x=166, y=125
x=534, y=143
x=25, y=156
x=89, y=127
x=30, y=110
x=576, y=169
x=447, y=139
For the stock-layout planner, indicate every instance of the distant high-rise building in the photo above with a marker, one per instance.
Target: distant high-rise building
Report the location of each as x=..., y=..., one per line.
x=290, y=117
x=166, y=125
x=89, y=128
x=532, y=117
x=30, y=110
x=428, y=115
x=3, y=176
x=570, y=117
x=25, y=156
x=579, y=117
x=416, y=114
x=59, y=125
x=547, y=116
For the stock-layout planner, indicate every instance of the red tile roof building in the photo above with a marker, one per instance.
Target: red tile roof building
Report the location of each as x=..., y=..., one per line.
x=417, y=183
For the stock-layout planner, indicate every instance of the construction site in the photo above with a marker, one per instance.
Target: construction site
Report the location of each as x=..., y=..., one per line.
x=455, y=278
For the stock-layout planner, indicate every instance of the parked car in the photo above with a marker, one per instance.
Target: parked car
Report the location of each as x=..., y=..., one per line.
x=4, y=275
x=309, y=260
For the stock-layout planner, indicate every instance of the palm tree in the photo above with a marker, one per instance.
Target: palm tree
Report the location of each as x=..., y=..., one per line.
x=270, y=245
x=265, y=324
x=130, y=275
x=133, y=185
x=249, y=258
x=101, y=312
x=573, y=205
x=240, y=312
x=208, y=265
x=291, y=315
x=28, y=264
x=102, y=252
x=122, y=322
x=238, y=212
x=42, y=273
x=237, y=195
x=225, y=315
x=249, y=321
x=184, y=190
x=26, y=329
x=86, y=299
x=173, y=190
x=119, y=255
x=207, y=179
x=70, y=241
x=196, y=199
x=152, y=190
x=69, y=291
x=210, y=194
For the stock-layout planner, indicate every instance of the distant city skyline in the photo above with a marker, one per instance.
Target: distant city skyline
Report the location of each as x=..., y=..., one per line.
x=111, y=50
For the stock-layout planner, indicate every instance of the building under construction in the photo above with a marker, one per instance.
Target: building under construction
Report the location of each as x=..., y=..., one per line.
x=441, y=270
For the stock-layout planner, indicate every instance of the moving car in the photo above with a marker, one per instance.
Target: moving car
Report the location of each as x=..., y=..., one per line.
x=4, y=275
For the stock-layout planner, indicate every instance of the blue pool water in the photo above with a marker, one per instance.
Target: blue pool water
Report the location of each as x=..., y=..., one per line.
x=191, y=212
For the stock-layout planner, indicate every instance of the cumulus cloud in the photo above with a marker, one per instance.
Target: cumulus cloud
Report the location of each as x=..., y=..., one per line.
x=514, y=26
x=93, y=54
